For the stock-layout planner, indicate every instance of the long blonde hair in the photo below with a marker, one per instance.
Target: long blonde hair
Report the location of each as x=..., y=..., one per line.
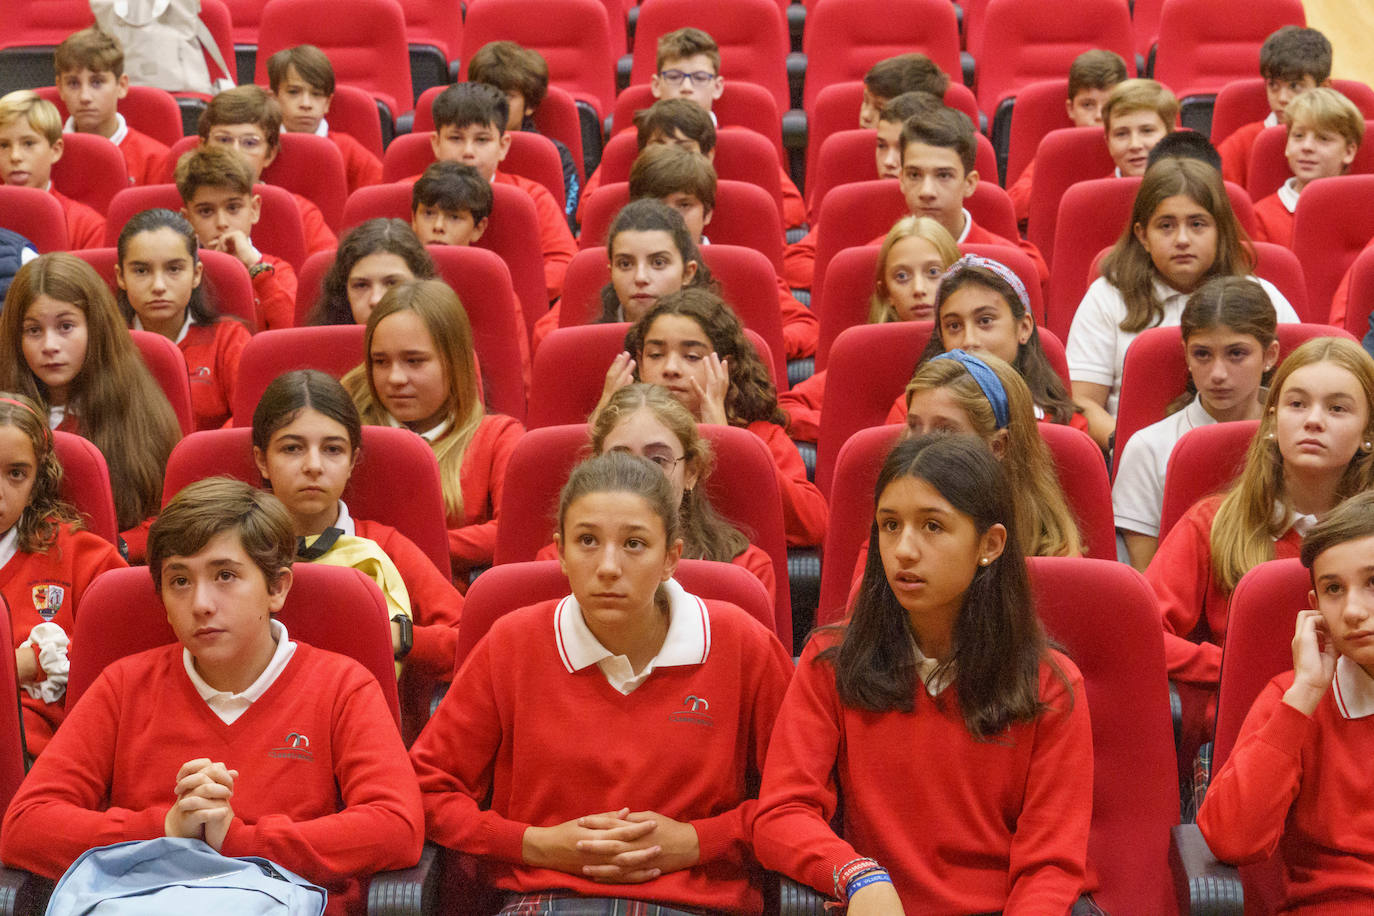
x=880, y=310
x=1044, y=523
x=1245, y=528
x=443, y=316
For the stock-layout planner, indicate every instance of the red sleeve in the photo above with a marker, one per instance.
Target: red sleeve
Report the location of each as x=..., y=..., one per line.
x=318, y=235
x=1342, y=297
x=361, y=168
x=1181, y=576
x=436, y=605
x=1273, y=222
x=380, y=823
x=896, y=414
x=484, y=480
x=555, y=239
x=803, y=506
x=1048, y=864
x=798, y=796
x=231, y=337
x=85, y=227
x=803, y=405
x=136, y=539
x=143, y=156
x=799, y=260
x=274, y=294
x=67, y=787
x=793, y=207
x=1243, y=815
x=758, y=562
x=801, y=332
x=1020, y=192
x=455, y=758
x=544, y=325
x=1235, y=152
x=593, y=182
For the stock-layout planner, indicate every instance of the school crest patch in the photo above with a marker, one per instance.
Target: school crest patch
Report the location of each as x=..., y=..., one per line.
x=47, y=599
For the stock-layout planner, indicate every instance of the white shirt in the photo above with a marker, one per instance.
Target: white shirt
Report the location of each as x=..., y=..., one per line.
x=430, y=435
x=1096, y=348
x=56, y=414
x=181, y=335
x=322, y=128
x=229, y=706
x=116, y=138
x=1353, y=690
x=968, y=224
x=688, y=641
x=9, y=545
x=1138, y=491
x=1288, y=195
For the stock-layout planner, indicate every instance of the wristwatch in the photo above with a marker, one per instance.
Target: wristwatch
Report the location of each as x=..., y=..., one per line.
x=407, y=636
x=260, y=267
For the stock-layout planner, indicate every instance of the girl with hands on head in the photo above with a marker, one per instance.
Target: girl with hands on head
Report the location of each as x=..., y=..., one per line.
x=1302, y=756
x=654, y=803
x=691, y=343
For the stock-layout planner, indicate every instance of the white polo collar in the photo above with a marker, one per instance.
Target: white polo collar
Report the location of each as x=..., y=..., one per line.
x=1353, y=690
x=229, y=706
x=9, y=545
x=1288, y=195
x=181, y=335
x=430, y=435
x=688, y=641
x=1291, y=520
x=345, y=521
x=322, y=128
x=968, y=224
x=935, y=682
x=118, y=137
x=1272, y=119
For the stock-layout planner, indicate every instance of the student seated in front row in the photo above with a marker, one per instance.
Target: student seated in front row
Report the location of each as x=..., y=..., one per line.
x=450, y=204
x=1302, y=757
x=187, y=740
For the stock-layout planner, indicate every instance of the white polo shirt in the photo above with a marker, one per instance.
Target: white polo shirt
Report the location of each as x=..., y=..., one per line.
x=1138, y=491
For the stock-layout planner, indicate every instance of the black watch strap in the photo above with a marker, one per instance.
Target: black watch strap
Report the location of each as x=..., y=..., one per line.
x=407, y=636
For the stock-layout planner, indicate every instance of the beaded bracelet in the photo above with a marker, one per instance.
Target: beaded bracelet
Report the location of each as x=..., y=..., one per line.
x=864, y=880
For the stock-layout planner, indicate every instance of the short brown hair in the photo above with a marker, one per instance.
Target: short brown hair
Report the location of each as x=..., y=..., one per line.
x=214, y=505
x=1326, y=109
x=945, y=128
x=1351, y=520
x=663, y=170
x=1293, y=52
x=671, y=117
x=683, y=43
x=511, y=68
x=212, y=167
x=90, y=49
x=1095, y=69
x=912, y=72
x=243, y=105
x=910, y=105
x=312, y=65
x=1140, y=95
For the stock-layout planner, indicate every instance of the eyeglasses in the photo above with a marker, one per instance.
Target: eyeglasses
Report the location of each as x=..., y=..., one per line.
x=665, y=463
x=699, y=78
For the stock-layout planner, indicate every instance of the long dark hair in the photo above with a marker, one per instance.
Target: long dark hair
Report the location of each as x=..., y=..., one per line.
x=998, y=640
x=650, y=215
x=390, y=236
x=199, y=306
x=292, y=392
x=1238, y=303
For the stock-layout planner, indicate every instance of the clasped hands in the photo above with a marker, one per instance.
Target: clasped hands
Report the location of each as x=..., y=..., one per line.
x=202, y=811
x=619, y=847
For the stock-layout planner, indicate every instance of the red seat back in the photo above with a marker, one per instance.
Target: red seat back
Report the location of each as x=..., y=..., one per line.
x=407, y=156
x=1064, y=158
x=1361, y=294
x=848, y=156
x=544, y=458
x=1083, y=477
x=1333, y=223
x=851, y=514
x=36, y=215
x=1245, y=101
x=312, y=167
x=329, y=607
x=168, y=367
x=752, y=35
x=1039, y=109
x=1269, y=166
x=573, y=36
x=277, y=233
x=386, y=455
x=1204, y=461
x=511, y=586
x=86, y=485
x=146, y=109
x=226, y=282
x=365, y=40
x=843, y=40
x=531, y=156
x=433, y=23
x=1091, y=216
x=740, y=105
x=740, y=155
x=1204, y=45
x=557, y=119
x=334, y=348
x=353, y=111
x=92, y=170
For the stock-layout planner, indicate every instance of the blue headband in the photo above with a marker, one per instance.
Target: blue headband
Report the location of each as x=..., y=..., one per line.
x=987, y=380
x=998, y=268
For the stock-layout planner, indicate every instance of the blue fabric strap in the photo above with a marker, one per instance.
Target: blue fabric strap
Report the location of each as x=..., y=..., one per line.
x=987, y=380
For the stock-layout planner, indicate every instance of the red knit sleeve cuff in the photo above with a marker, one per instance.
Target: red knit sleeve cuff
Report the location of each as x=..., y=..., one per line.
x=504, y=839
x=1286, y=731
x=725, y=836
x=434, y=650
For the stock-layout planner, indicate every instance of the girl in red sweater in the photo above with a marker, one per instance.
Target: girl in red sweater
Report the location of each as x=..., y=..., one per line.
x=46, y=562
x=306, y=442
x=654, y=802
x=914, y=256
x=959, y=742
x=160, y=290
x=372, y=258
x=1314, y=447
x=66, y=346
x=420, y=372
x=691, y=343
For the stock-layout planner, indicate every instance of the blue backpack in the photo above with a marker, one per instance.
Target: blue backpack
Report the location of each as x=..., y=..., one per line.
x=177, y=876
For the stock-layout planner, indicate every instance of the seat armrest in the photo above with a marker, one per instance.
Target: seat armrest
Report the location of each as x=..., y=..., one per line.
x=798, y=900
x=23, y=893
x=794, y=129
x=1203, y=885
x=407, y=891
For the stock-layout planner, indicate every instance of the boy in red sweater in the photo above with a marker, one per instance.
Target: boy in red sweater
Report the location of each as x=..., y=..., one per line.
x=301, y=761
x=450, y=204
x=91, y=81
x=1324, y=133
x=216, y=187
x=1092, y=75
x=470, y=127
x=248, y=119
x=302, y=80
x=1301, y=760
x=30, y=145
x=1292, y=60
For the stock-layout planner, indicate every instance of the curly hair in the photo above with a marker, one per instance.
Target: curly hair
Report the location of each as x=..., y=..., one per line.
x=390, y=236
x=46, y=509
x=751, y=396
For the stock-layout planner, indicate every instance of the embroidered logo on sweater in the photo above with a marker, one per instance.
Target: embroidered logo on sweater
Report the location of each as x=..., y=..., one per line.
x=694, y=713
x=47, y=599
x=296, y=747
